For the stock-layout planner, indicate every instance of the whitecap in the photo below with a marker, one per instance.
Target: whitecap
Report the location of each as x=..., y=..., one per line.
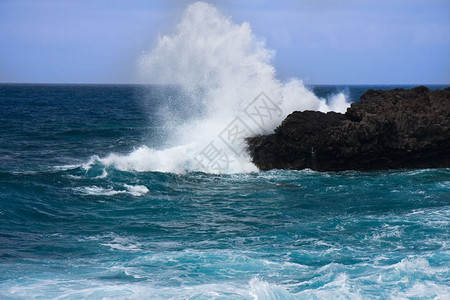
x=263, y=290
x=225, y=75
x=135, y=190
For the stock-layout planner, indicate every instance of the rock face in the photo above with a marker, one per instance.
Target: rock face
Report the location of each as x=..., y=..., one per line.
x=385, y=130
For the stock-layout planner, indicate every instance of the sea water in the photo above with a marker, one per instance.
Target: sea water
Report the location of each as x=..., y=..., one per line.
x=147, y=192
x=72, y=227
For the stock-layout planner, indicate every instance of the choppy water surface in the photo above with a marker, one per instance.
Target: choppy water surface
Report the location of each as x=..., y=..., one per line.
x=74, y=227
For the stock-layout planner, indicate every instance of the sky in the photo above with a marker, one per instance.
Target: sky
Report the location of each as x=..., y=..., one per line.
x=318, y=41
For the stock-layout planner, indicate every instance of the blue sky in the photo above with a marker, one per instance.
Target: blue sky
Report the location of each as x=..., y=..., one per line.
x=319, y=41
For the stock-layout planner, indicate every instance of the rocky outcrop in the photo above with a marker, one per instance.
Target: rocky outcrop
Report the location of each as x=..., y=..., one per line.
x=385, y=130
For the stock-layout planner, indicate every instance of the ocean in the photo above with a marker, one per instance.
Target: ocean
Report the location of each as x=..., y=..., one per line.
x=88, y=212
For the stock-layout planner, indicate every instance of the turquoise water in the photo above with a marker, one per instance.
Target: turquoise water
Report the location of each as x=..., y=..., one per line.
x=72, y=232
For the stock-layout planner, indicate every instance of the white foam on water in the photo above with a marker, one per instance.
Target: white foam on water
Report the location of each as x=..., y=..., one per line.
x=221, y=68
x=339, y=288
x=66, y=167
x=135, y=190
x=123, y=244
x=412, y=277
x=94, y=289
x=419, y=265
x=423, y=290
x=97, y=191
x=73, y=176
x=262, y=290
x=255, y=289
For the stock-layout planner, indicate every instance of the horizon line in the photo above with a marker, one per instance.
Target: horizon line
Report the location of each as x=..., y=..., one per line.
x=158, y=84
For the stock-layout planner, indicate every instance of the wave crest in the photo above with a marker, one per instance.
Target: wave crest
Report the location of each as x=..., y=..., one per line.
x=222, y=68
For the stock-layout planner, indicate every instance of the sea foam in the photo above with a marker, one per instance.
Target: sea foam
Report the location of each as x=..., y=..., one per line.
x=229, y=91
x=134, y=190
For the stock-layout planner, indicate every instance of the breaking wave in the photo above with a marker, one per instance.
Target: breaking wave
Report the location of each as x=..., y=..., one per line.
x=229, y=91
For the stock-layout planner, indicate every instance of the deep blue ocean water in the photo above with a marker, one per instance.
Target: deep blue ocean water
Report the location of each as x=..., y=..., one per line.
x=67, y=232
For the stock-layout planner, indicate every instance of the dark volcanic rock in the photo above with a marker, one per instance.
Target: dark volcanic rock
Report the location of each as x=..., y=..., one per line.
x=385, y=130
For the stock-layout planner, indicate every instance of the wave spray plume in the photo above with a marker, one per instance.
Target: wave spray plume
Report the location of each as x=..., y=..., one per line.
x=221, y=68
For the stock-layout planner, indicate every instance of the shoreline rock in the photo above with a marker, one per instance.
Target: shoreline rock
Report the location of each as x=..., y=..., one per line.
x=392, y=129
